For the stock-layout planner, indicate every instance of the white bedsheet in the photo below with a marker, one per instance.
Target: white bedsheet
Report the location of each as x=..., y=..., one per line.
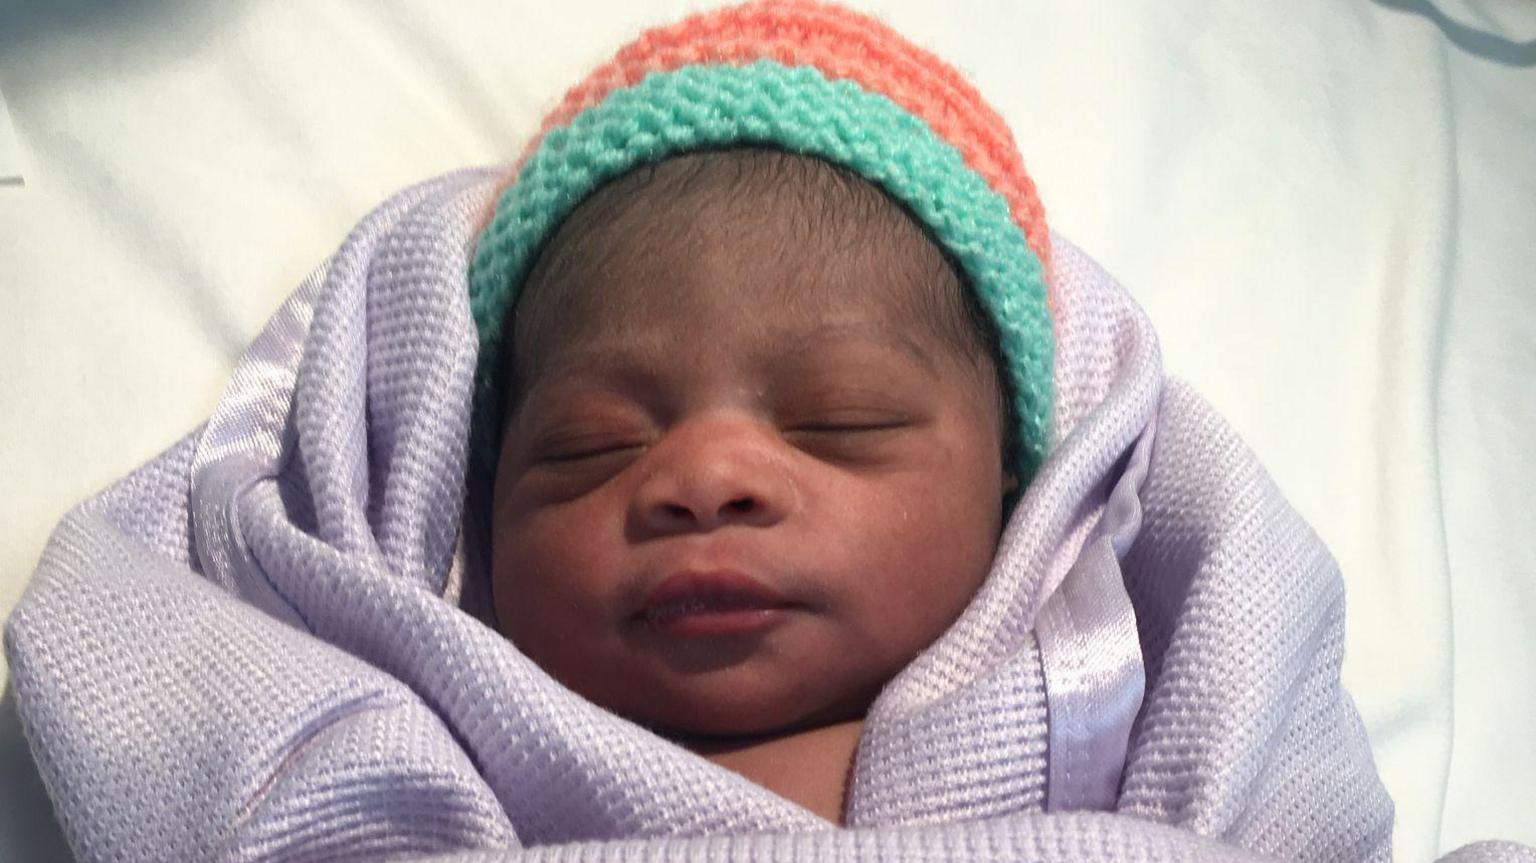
x=1328, y=209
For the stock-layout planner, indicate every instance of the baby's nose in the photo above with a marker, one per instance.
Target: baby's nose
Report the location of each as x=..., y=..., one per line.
x=713, y=475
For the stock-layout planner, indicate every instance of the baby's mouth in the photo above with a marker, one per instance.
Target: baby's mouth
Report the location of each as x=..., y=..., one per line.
x=715, y=603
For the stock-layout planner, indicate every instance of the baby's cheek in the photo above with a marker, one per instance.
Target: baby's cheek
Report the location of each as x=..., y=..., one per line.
x=923, y=562
x=550, y=598
x=899, y=556
x=549, y=569
x=552, y=552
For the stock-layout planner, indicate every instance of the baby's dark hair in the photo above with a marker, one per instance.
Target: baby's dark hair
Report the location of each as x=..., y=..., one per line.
x=837, y=212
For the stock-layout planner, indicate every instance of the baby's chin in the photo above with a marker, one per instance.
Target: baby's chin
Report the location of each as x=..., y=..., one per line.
x=698, y=713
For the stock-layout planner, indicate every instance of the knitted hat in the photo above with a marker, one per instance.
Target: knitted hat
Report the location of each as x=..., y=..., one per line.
x=807, y=78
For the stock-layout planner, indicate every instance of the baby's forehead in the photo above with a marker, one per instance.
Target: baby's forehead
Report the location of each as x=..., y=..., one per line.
x=766, y=228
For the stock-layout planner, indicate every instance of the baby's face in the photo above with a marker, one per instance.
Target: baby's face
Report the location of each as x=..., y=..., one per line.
x=728, y=415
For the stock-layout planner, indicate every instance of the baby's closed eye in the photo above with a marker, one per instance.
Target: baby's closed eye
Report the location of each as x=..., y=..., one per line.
x=580, y=432
x=587, y=445
x=847, y=441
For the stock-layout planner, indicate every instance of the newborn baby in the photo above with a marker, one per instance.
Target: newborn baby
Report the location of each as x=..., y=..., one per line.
x=753, y=459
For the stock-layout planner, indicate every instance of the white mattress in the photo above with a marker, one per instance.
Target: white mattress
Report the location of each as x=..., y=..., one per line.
x=1327, y=208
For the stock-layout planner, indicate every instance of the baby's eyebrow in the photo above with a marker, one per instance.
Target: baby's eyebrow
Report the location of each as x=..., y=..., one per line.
x=609, y=364
x=634, y=364
x=880, y=334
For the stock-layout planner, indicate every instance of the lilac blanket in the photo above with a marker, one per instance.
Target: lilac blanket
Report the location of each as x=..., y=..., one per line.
x=270, y=641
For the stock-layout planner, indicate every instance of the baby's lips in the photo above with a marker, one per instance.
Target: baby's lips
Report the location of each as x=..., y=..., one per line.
x=693, y=591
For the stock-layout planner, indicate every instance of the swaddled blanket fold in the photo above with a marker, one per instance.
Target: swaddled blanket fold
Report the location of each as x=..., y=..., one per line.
x=266, y=643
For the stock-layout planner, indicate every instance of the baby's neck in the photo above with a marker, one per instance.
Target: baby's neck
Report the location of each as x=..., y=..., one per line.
x=810, y=768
